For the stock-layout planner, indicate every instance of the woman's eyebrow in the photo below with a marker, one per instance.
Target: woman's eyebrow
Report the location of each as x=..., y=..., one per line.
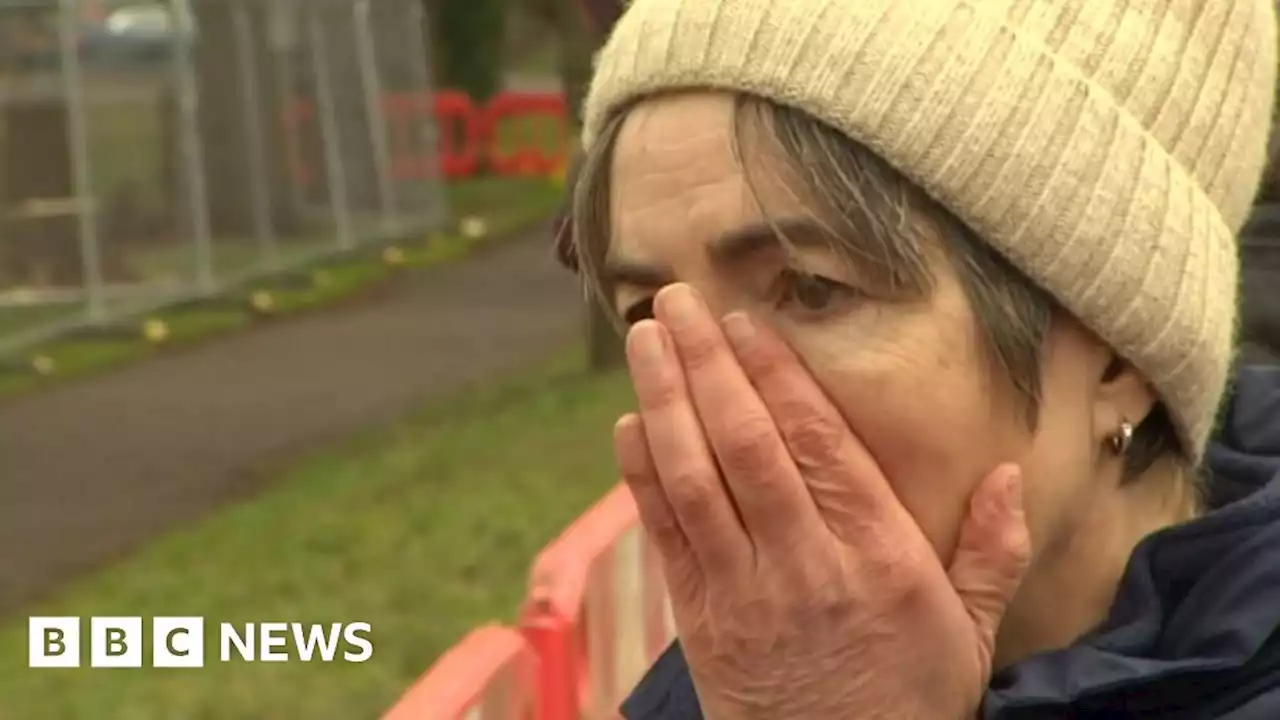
x=736, y=245
x=729, y=249
x=621, y=271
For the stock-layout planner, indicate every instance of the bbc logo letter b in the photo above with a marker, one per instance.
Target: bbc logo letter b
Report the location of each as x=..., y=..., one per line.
x=53, y=642
x=115, y=642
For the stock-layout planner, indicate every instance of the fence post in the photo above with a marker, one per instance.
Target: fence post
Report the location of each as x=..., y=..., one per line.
x=334, y=172
x=560, y=663
x=284, y=34
x=259, y=194
x=372, y=85
x=189, y=142
x=437, y=201
x=78, y=140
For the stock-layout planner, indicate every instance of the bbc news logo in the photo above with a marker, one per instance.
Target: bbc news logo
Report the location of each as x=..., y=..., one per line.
x=179, y=642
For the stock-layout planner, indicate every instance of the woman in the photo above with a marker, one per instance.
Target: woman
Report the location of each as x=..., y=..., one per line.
x=931, y=309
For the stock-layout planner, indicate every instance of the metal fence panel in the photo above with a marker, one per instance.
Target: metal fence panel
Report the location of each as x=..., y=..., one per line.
x=402, y=67
x=172, y=149
x=49, y=270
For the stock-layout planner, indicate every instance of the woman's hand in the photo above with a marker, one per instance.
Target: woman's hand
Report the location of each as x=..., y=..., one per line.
x=800, y=586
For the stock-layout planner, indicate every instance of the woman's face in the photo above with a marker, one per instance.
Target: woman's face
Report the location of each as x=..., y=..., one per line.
x=910, y=378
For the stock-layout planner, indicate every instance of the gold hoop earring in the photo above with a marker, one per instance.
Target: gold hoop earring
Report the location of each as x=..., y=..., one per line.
x=1121, y=439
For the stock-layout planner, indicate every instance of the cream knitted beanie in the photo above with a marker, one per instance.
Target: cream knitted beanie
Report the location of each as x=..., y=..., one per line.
x=1110, y=149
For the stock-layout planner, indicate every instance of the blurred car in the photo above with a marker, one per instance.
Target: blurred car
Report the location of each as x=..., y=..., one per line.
x=135, y=34
x=110, y=34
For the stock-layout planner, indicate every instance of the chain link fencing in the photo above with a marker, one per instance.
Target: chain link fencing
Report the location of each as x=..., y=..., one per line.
x=159, y=152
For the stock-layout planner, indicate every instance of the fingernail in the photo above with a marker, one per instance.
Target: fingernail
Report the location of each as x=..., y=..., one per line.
x=645, y=344
x=740, y=331
x=1000, y=500
x=626, y=424
x=679, y=305
x=1013, y=491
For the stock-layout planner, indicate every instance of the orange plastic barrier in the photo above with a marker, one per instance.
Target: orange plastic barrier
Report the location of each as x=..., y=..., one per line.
x=527, y=157
x=597, y=613
x=490, y=675
x=468, y=135
x=457, y=116
x=408, y=161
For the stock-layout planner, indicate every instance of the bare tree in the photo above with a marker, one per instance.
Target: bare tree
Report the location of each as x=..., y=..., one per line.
x=578, y=36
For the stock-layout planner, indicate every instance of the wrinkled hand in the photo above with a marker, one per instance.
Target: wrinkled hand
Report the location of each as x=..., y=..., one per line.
x=800, y=586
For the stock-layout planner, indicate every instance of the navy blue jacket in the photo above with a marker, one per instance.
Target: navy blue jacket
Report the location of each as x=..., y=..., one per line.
x=1193, y=631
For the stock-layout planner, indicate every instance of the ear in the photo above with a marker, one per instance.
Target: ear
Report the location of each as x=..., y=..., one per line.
x=1123, y=395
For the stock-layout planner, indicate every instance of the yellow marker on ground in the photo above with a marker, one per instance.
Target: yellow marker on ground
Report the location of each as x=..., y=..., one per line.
x=262, y=302
x=43, y=365
x=393, y=256
x=473, y=227
x=155, y=330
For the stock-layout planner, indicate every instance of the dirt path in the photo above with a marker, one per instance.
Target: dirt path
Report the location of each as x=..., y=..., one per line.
x=93, y=468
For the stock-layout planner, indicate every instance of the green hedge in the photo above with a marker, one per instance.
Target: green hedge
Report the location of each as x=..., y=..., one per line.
x=469, y=41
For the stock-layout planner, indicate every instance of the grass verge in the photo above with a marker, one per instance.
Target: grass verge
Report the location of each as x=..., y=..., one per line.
x=505, y=207
x=424, y=529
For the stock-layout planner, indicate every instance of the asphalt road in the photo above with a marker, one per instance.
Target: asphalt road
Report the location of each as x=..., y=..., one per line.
x=93, y=468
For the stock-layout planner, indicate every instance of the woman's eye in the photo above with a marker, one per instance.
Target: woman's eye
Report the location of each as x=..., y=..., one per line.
x=642, y=310
x=812, y=293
